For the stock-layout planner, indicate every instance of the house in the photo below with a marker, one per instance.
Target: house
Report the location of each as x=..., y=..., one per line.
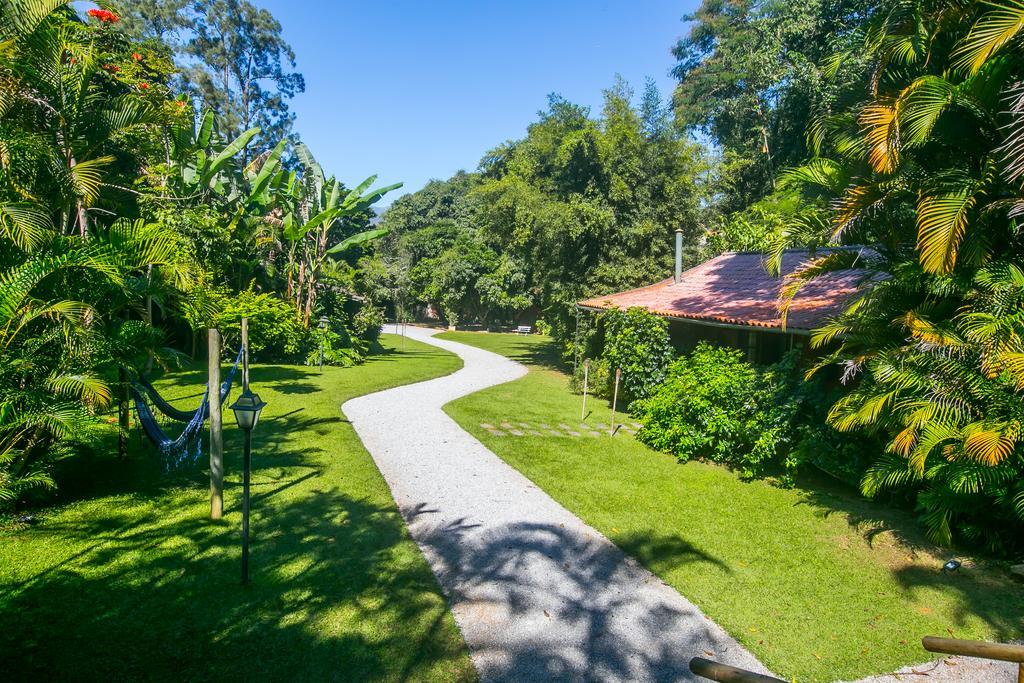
x=732, y=300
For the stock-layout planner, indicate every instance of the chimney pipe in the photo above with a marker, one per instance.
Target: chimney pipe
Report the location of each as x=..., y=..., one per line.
x=679, y=255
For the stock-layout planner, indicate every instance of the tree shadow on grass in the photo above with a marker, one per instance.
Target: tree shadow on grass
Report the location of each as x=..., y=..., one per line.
x=528, y=351
x=871, y=518
x=335, y=594
x=987, y=594
x=537, y=573
x=984, y=591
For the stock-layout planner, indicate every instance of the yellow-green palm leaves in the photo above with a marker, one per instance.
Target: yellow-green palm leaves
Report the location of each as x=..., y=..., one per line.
x=924, y=166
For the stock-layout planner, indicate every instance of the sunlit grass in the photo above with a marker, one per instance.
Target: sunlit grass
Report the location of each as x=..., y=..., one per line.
x=816, y=581
x=132, y=581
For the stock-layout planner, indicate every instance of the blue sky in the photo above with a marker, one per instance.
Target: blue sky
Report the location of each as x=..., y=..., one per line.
x=418, y=90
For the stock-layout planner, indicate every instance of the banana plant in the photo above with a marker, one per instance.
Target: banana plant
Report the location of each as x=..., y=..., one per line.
x=200, y=163
x=314, y=206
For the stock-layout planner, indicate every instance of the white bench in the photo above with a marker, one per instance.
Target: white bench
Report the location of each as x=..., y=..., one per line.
x=524, y=329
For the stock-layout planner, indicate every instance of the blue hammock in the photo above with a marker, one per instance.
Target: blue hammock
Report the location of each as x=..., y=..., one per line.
x=176, y=451
x=161, y=404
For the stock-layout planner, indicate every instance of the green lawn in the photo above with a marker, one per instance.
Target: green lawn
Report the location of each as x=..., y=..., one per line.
x=817, y=582
x=131, y=580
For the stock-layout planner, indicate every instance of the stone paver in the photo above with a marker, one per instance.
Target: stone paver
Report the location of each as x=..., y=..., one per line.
x=538, y=594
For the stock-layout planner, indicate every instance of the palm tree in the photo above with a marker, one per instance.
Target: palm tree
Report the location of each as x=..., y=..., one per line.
x=314, y=208
x=927, y=172
x=53, y=352
x=62, y=149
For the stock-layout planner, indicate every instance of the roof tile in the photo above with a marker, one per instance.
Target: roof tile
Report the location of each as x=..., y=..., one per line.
x=734, y=288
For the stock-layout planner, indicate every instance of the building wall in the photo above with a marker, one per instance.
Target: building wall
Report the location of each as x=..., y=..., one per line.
x=760, y=346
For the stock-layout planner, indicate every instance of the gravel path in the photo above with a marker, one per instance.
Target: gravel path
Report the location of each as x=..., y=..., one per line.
x=538, y=594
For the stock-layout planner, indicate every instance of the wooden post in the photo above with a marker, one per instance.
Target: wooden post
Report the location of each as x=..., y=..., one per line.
x=586, y=382
x=713, y=671
x=615, y=399
x=216, y=433
x=576, y=345
x=123, y=413
x=972, y=648
x=245, y=354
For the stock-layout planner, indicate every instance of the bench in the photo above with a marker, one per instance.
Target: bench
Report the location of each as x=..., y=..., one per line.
x=524, y=329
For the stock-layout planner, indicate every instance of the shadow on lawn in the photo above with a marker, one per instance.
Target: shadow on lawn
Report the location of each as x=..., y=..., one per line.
x=337, y=591
x=513, y=571
x=543, y=354
x=871, y=518
x=984, y=591
x=176, y=611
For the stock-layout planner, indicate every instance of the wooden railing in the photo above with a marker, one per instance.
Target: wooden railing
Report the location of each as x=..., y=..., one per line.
x=723, y=673
x=977, y=648
x=1002, y=652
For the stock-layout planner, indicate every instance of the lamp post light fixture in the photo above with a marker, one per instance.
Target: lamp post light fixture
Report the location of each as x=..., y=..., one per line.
x=247, y=411
x=324, y=321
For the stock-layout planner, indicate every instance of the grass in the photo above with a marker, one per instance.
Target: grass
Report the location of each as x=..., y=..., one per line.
x=131, y=580
x=817, y=582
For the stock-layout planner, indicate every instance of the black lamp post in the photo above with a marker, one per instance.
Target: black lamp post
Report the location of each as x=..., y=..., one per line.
x=324, y=321
x=247, y=413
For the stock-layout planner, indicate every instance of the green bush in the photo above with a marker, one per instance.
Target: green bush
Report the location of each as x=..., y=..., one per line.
x=637, y=342
x=368, y=321
x=275, y=330
x=714, y=405
x=339, y=348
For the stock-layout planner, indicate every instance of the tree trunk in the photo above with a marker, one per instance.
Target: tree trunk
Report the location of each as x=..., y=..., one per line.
x=149, y=317
x=123, y=413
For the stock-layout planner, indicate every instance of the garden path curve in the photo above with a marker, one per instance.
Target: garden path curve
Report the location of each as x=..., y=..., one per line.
x=538, y=594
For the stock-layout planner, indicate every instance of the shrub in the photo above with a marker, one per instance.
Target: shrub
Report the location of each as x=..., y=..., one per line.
x=367, y=322
x=339, y=348
x=637, y=342
x=714, y=405
x=717, y=406
x=275, y=330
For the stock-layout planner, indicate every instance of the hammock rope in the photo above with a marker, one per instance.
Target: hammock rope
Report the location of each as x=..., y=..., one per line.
x=161, y=404
x=176, y=451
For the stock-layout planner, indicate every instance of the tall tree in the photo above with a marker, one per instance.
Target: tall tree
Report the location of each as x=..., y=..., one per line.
x=242, y=69
x=748, y=78
x=159, y=20
x=233, y=60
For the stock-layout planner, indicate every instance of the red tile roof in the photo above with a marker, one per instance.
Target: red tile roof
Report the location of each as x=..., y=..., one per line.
x=735, y=289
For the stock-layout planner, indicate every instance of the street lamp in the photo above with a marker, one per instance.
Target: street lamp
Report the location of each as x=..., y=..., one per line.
x=247, y=411
x=323, y=337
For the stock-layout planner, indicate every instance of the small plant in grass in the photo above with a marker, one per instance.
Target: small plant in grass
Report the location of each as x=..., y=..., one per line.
x=599, y=378
x=368, y=321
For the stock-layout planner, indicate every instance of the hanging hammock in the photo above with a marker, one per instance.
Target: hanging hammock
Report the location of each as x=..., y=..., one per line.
x=176, y=451
x=161, y=404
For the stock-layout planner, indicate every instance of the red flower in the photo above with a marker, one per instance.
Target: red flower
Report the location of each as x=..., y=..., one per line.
x=180, y=104
x=104, y=15
x=144, y=86
x=112, y=68
x=136, y=56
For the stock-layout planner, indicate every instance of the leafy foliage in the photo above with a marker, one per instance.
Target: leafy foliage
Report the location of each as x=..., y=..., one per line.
x=126, y=218
x=637, y=343
x=583, y=205
x=714, y=405
x=920, y=165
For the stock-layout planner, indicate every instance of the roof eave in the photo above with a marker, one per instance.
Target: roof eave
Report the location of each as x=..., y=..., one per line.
x=711, y=323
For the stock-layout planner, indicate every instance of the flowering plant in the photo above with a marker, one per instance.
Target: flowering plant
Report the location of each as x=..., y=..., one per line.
x=104, y=15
